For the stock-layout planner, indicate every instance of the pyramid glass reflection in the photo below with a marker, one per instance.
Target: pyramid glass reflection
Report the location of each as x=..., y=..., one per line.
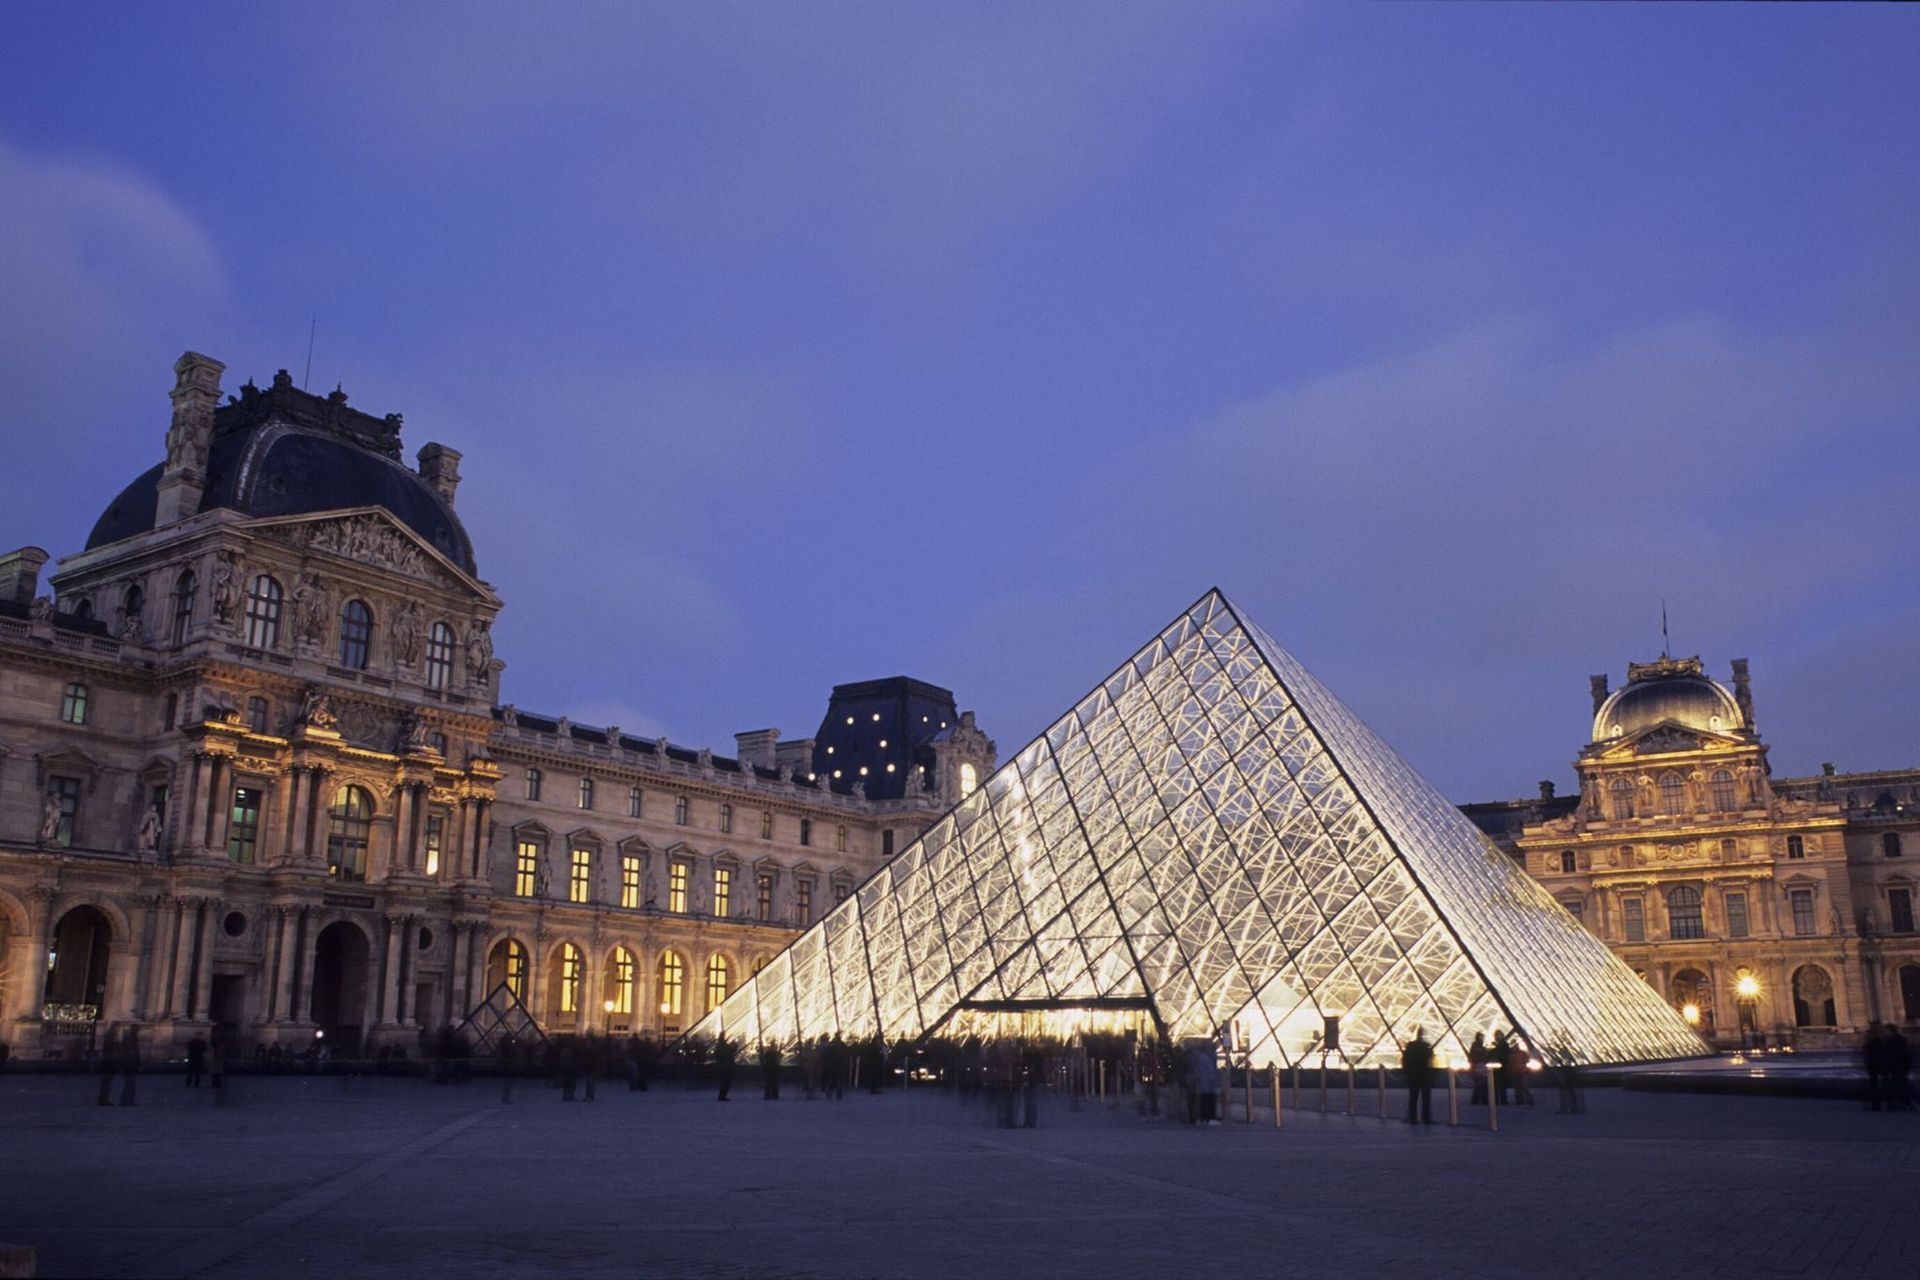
x=1209, y=839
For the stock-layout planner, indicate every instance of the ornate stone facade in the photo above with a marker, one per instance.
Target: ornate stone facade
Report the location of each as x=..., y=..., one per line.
x=253, y=774
x=1775, y=907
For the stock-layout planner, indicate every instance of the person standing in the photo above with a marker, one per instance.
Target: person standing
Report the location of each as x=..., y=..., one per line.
x=196, y=1061
x=1516, y=1064
x=1416, y=1062
x=1477, y=1056
x=724, y=1054
x=109, y=1064
x=770, y=1071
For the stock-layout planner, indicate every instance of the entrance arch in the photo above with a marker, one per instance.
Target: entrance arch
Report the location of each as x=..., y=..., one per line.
x=1692, y=988
x=1812, y=997
x=77, y=969
x=507, y=963
x=340, y=958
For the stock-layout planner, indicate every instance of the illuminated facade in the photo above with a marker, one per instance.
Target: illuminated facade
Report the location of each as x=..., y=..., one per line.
x=255, y=773
x=1209, y=840
x=1768, y=907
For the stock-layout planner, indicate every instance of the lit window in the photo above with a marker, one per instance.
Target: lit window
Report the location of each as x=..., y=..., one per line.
x=1737, y=915
x=580, y=881
x=1620, y=796
x=1802, y=903
x=436, y=837
x=533, y=784
x=349, y=830
x=183, y=593
x=677, y=887
x=629, y=880
x=620, y=981
x=1723, y=797
x=726, y=818
x=803, y=900
x=263, y=613
x=509, y=966
x=969, y=780
x=356, y=635
x=766, y=824
x=680, y=811
x=526, y=868
x=806, y=831
x=1684, y=918
x=439, y=655
x=573, y=972
x=1900, y=909
x=1633, y=919
x=73, y=703
x=65, y=794
x=243, y=825
x=763, y=897
x=840, y=839
x=716, y=982
x=722, y=890
x=673, y=981
x=636, y=802
x=257, y=715
x=586, y=793
x=1796, y=847
x=1673, y=794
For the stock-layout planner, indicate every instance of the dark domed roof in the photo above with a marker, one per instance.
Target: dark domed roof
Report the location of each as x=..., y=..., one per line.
x=283, y=452
x=1674, y=689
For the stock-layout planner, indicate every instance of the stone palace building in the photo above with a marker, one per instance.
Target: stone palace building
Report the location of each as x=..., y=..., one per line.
x=255, y=773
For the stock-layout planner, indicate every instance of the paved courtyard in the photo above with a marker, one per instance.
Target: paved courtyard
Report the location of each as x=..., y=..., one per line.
x=373, y=1177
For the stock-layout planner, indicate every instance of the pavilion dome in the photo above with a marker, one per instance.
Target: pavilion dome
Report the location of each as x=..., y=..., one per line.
x=1672, y=689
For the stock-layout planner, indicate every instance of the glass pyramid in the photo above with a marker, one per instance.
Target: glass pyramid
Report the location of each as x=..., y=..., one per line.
x=1211, y=840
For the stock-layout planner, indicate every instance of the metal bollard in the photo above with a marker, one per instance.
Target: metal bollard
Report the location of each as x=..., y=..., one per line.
x=1323, y=1086
x=1453, y=1098
x=1247, y=1066
x=1350, y=1070
x=1383, y=1092
x=1493, y=1097
x=1296, y=1086
x=1279, y=1112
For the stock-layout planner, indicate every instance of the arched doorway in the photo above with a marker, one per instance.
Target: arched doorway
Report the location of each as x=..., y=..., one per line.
x=1691, y=991
x=1812, y=997
x=507, y=963
x=340, y=956
x=76, y=988
x=566, y=985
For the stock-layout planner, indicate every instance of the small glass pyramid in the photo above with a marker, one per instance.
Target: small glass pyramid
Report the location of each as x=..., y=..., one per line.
x=1210, y=840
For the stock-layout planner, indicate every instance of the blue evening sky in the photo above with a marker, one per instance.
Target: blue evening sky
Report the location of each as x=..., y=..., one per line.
x=795, y=344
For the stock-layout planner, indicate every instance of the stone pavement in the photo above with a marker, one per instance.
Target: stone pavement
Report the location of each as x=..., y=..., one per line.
x=399, y=1177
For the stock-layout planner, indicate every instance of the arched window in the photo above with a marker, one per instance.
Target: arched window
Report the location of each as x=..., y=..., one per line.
x=1673, y=794
x=716, y=982
x=1724, y=800
x=439, y=655
x=1620, y=795
x=356, y=635
x=133, y=609
x=263, y=613
x=257, y=713
x=1683, y=913
x=1890, y=844
x=508, y=964
x=969, y=780
x=73, y=703
x=620, y=980
x=673, y=983
x=82, y=610
x=183, y=592
x=349, y=831
x=1812, y=997
x=569, y=978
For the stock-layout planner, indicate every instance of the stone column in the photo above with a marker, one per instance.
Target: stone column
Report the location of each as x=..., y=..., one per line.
x=299, y=1004
x=289, y=960
x=461, y=941
x=208, y=936
x=403, y=992
x=215, y=776
x=33, y=985
x=153, y=953
x=453, y=843
x=180, y=972
x=189, y=830
x=133, y=983
x=400, y=855
x=223, y=810
x=300, y=792
x=390, y=970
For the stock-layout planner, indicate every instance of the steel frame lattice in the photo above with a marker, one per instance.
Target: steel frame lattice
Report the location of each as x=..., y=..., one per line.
x=1211, y=834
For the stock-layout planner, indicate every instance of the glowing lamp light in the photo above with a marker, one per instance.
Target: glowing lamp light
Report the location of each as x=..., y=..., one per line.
x=665, y=1007
x=1748, y=987
x=1691, y=1012
x=608, y=1006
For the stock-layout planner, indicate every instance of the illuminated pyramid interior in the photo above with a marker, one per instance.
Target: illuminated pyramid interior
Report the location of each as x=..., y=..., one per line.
x=1209, y=839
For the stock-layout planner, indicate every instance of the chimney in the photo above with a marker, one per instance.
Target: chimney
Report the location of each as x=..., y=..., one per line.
x=20, y=574
x=1546, y=789
x=1743, y=692
x=440, y=467
x=196, y=390
x=756, y=746
x=1599, y=686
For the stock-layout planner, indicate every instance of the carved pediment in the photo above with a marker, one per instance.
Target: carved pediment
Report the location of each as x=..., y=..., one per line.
x=371, y=537
x=1666, y=738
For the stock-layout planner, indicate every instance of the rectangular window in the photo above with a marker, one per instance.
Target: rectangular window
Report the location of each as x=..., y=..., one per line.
x=73, y=704
x=526, y=868
x=636, y=802
x=680, y=811
x=766, y=824
x=677, y=887
x=243, y=826
x=586, y=793
x=629, y=881
x=722, y=891
x=533, y=784
x=803, y=900
x=1737, y=915
x=726, y=819
x=1633, y=918
x=763, y=896
x=839, y=839
x=580, y=882
x=1802, y=902
x=64, y=793
x=840, y=892
x=1796, y=847
x=1900, y=909
x=436, y=838
x=886, y=843
x=1577, y=909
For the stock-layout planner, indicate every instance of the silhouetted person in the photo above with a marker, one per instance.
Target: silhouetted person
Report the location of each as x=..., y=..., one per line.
x=1899, y=1064
x=569, y=1068
x=1478, y=1055
x=196, y=1061
x=129, y=1064
x=724, y=1054
x=873, y=1064
x=109, y=1064
x=770, y=1071
x=836, y=1064
x=1873, y=1056
x=1497, y=1060
x=1416, y=1062
x=1515, y=1064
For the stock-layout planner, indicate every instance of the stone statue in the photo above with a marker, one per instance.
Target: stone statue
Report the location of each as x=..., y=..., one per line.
x=310, y=609
x=414, y=736
x=42, y=609
x=660, y=747
x=316, y=711
x=225, y=587
x=479, y=649
x=563, y=729
x=50, y=816
x=510, y=716
x=406, y=632
x=132, y=630
x=706, y=759
x=147, y=839
x=653, y=889
x=613, y=736
x=540, y=879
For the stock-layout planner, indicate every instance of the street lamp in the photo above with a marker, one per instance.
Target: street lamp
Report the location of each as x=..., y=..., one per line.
x=1747, y=988
x=1691, y=1012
